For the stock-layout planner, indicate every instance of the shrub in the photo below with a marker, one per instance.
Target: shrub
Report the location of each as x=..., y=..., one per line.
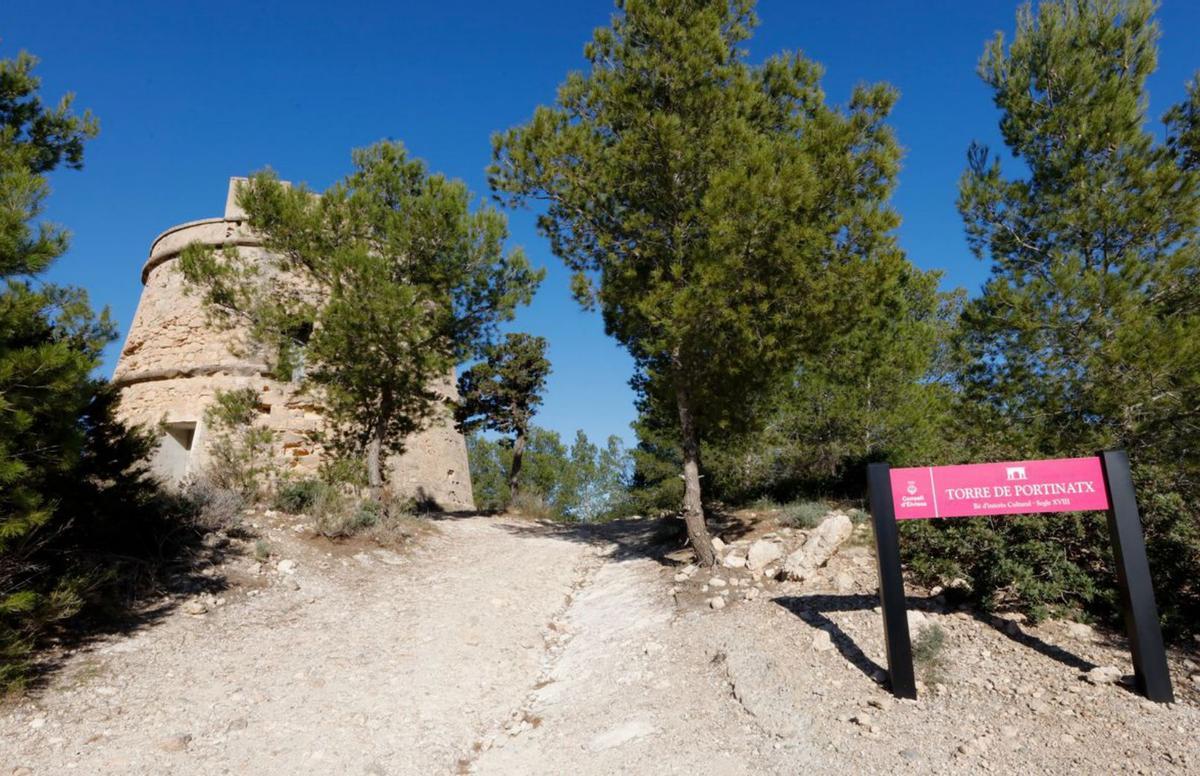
x=240, y=453
x=803, y=514
x=296, y=496
x=928, y=652
x=213, y=507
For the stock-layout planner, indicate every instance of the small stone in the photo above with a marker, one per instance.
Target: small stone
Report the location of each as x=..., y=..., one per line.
x=844, y=583
x=717, y=582
x=751, y=593
x=862, y=720
x=176, y=743
x=718, y=544
x=236, y=724
x=734, y=561
x=716, y=602
x=195, y=607
x=1103, y=675
x=681, y=577
x=822, y=641
x=1195, y=678
x=1080, y=631
x=286, y=566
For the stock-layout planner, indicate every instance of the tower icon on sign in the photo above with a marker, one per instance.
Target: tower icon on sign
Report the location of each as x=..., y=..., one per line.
x=1015, y=473
x=912, y=488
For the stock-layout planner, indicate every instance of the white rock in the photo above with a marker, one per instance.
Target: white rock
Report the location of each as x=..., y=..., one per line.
x=734, y=561
x=1104, y=675
x=762, y=554
x=1080, y=631
x=751, y=593
x=286, y=566
x=195, y=607
x=822, y=641
x=718, y=544
x=844, y=583
x=716, y=602
x=717, y=582
x=818, y=548
x=681, y=577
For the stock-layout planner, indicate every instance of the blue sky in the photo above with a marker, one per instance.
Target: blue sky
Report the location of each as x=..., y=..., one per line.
x=189, y=94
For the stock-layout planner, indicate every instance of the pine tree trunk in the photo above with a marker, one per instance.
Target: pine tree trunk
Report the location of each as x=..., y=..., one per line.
x=693, y=508
x=375, y=464
x=513, y=475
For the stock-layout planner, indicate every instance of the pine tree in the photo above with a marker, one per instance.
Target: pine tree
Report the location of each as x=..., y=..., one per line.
x=50, y=342
x=716, y=212
x=1087, y=334
x=502, y=393
x=393, y=281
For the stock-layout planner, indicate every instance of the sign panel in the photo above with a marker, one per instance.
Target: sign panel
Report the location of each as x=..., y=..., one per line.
x=1009, y=488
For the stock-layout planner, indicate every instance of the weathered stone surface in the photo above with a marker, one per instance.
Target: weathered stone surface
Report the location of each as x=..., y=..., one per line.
x=820, y=546
x=763, y=553
x=174, y=362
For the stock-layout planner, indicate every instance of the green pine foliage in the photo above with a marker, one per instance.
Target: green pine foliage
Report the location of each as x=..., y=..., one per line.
x=1087, y=335
x=82, y=525
x=502, y=393
x=578, y=482
x=718, y=213
x=394, y=280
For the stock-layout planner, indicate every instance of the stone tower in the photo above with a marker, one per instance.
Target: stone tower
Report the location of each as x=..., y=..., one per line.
x=173, y=363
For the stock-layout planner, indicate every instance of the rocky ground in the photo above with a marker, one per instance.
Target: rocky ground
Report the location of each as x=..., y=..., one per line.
x=506, y=646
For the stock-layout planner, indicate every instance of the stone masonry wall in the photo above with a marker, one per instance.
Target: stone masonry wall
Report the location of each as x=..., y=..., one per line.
x=174, y=362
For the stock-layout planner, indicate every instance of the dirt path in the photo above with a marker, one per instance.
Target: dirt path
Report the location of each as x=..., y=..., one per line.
x=508, y=647
x=374, y=664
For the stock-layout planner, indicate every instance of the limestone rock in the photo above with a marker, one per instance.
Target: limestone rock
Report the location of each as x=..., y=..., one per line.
x=1080, y=631
x=820, y=546
x=716, y=602
x=762, y=554
x=286, y=566
x=734, y=561
x=822, y=641
x=1104, y=675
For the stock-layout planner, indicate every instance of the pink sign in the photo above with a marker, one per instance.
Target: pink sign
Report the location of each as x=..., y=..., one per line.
x=1011, y=488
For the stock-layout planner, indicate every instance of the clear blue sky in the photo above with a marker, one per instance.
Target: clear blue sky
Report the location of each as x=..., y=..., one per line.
x=190, y=94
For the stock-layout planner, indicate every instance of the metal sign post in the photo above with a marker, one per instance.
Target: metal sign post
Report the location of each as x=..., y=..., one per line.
x=1011, y=488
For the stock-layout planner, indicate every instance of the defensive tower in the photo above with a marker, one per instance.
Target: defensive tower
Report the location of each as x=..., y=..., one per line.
x=174, y=362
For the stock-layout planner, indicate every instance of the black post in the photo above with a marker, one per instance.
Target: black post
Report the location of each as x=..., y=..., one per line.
x=891, y=582
x=1133, y=572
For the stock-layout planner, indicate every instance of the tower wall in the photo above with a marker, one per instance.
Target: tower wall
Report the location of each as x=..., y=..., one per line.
x=174, y=362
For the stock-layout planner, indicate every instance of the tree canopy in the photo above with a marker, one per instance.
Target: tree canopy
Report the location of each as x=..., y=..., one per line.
x=390, y=280
x=716, y=212
x=502, y=392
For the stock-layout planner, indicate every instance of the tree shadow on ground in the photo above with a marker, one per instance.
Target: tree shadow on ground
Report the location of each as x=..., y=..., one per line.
x=149, y=589
x=634, y=537
x=812, y=609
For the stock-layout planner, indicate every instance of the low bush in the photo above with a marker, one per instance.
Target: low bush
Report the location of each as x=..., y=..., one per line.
x=296, y=496
x=803, y=514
